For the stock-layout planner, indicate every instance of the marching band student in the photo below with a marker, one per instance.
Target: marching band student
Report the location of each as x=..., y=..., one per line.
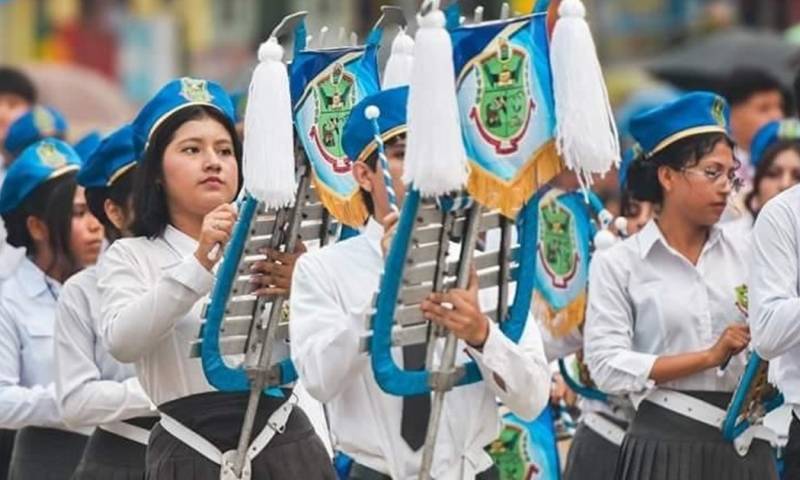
x=46, y=214
x=664, y=307
x=775, y=154
x=383, y=433
x=93, y=388
x=153, y=287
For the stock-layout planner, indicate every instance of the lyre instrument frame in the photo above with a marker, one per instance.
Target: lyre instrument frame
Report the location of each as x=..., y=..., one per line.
x=748, y=404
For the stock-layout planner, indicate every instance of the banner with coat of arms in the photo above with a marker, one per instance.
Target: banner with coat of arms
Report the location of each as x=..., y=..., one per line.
x=564, y=235
x=506, y=104
x=326, y=84
x=526, y=450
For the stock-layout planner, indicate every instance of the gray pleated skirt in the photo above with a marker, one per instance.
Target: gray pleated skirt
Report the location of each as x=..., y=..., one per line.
x=111, y=457
x=6, y=447
x=590, y=455
x=663, y=445
x=297, y=453
x=45, y=454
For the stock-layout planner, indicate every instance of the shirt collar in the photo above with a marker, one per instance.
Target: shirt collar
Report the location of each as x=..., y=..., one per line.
x=34, y=281
x=182, y=243
x=651, y=234
x=373, y=231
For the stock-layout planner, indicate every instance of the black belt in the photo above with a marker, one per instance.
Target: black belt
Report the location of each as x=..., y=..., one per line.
x=361, y=472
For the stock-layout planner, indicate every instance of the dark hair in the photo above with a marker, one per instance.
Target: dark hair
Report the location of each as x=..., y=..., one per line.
x=767, y=159
x=687, y=152
x=51, y=202
x=15, y=82
x=119, y=192
x=743, y=83
x=150, y=210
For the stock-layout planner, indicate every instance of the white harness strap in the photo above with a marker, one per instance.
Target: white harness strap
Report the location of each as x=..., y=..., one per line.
x=604, y=427
x=711, y=415
x=126, y=430
x=275, y=424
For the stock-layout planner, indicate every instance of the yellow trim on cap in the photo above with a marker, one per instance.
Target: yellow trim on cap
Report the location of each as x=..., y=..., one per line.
x=61, y=171
x=121, y=171
x=386, y=136
x=171, y=112
x=689, y=132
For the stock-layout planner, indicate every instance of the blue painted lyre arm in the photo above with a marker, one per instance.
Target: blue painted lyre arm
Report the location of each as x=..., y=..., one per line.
x=389, y=376
x=732, y=427
x=577, y=387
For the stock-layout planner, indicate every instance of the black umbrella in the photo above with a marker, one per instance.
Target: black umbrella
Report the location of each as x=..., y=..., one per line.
x=707, y=62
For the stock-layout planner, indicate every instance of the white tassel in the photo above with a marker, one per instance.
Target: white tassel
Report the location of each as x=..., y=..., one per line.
x=268, y=142
x=400, y=63
x=478, y=17
x=436, y=162
x=505, y=11
x=586, y=136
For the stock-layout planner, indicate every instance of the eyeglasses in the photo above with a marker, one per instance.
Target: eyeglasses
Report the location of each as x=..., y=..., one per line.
x=716, y=176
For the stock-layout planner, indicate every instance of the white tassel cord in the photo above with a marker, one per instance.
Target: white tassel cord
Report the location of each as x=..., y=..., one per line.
x=436, y=162
x=586, y=136
x=269, y=165
x=400, y=63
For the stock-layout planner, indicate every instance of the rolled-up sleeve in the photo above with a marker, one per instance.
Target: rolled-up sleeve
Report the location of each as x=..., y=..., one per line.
x=138, y=313
x=608, y=334
x=774, y=302
x=325, y=336
x=517, y=373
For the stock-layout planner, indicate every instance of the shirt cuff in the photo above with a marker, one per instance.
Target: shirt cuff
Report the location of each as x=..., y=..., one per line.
x=493, y=350
x=193, y=275
x=638, y=365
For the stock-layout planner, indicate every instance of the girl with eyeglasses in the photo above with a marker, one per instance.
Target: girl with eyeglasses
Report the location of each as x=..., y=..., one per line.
x=666, y=318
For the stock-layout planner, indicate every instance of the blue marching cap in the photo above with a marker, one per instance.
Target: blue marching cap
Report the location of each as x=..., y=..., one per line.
x=628, y=157
x=239, y=100
x=691, y=114
x=115, y=156
x=788, y=129
x=88, y=144
x=40, y=162
x=358, y=137
x=38, y=123
x=173, y=97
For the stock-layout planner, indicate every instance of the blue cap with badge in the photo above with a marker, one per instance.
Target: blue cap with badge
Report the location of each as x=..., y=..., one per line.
x=88, y=144
x=175, y=96
x=769, y=134
x=115, y=156
x=38, y=123
x=44, y=160
x=691, y=114
x=358, y=137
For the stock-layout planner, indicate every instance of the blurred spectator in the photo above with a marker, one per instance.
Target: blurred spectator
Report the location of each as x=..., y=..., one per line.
x=17, y=95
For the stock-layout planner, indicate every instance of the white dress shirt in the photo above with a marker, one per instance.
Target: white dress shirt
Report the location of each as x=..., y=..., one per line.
x=648, y=300
x=775, y=291
x=27, y=317
x=93, y=388
x=151, y=294
x=332, y=293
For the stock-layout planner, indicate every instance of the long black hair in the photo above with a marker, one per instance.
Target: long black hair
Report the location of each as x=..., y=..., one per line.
x=643, y=180
x=767, y=159
x=51, y=202
x=150, y=209
x=118, y=192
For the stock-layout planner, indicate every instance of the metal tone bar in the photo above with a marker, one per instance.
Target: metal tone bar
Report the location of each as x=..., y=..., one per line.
x=424, y=272
x=400, y=337
x=504, y=258
x=486, y=278
x=423, y=254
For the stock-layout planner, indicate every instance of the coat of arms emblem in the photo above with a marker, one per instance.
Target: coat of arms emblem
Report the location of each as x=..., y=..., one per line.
x=557, y=244
x=50, y=156
x=195, y=90
x=44, y=121
x=334, y=96
x=503, y=106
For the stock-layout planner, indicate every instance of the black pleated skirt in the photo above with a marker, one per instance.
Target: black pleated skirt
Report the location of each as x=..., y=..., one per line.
x=6, y=447
x=297, y=453
x=111, y=457
x=663, y=445
x=590, y=455
x=45, y=454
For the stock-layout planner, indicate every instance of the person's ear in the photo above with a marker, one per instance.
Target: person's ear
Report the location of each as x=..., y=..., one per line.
x=37, y=229
x=667, y=177
x=115, y=213
x=363, y=175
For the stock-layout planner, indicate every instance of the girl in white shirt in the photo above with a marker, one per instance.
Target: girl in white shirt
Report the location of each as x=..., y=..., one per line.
x=46, y=214
x=667, y=307
x=153, y=288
